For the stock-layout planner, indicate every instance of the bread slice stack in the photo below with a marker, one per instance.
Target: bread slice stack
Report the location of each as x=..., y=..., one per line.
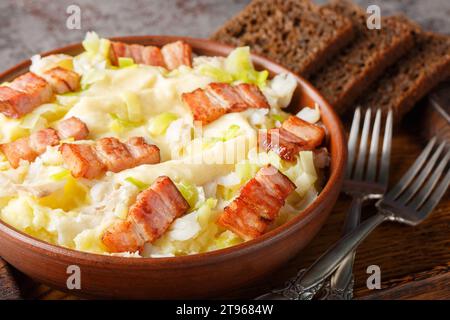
x=359, y=64
x=294, y=33
x=331, y=46
x=412, y=77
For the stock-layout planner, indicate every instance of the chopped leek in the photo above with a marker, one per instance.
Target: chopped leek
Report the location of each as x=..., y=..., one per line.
x=278, y=117
x=231, y=133
x=126, y=62
x=246, y=170
x=160, y=123
x=119, y=125
x=139, y=184
x=189, y=193
x=240, y=66
x=133, y=106
x=204, y=213
x=227, y=239
x=227, y=193
x=216, y=73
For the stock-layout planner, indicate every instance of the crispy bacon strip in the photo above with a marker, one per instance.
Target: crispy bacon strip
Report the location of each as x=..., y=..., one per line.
x=82, y=160
x=282, y=142
x=62, y=80
x=108, y=154
x=218, y=99
x=142, y=152
x=295, y=135
x=252, y=95
x=170, y=56
x=72, y=128
x=203, y=109
x=258, y=203
x=149, y=55
x=29, y=148
x=29, y=90
x=148, y=219
x=176, y=54
x=23, y=95
x=18, y=150
x=310, y=133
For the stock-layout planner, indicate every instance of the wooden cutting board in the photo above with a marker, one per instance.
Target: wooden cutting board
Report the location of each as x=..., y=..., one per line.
x=414, y=261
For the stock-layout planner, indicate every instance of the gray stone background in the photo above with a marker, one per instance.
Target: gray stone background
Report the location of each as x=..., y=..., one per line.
x=32, y=26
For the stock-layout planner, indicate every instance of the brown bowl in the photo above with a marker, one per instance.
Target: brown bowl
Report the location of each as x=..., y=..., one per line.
x=202, y=275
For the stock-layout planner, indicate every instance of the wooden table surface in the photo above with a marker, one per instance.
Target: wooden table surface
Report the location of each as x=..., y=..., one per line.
x=414, y=261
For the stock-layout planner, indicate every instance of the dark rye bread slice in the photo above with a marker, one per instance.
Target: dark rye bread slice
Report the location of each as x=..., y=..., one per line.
x=412, y=77
x=295, y=33
x=358, y=65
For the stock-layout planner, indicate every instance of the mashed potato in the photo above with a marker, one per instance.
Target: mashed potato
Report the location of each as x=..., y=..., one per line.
x=45, y=201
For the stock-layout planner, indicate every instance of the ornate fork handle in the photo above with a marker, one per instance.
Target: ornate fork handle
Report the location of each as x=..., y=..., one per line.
x=306, y=284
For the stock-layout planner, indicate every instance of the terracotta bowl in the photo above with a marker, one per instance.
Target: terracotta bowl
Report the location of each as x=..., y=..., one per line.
x=203, y=275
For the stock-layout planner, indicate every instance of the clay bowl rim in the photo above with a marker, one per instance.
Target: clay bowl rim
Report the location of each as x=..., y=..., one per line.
x=215, y=256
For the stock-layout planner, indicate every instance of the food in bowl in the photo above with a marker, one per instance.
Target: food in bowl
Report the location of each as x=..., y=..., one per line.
x=142, y=151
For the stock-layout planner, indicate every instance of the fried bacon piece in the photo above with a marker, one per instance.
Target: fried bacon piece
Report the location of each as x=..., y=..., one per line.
x=82, y=160
x=203, y=109
x=176, y=54
x=149, y=55
x=18, y=150
x=23, y=95
x=107, y=154
x=170, y=56
x=29, y=90
x=295, y=135
x=150, y=216
x=113, y=154
x=252, y=95
x=282, y=142
x=311, y=133
x=62, y=80
x=258, y=203
x=142, y=152
x=40, y=140
x=123, y=237
x=72, y=128
x=29, y=148
x=218, y=99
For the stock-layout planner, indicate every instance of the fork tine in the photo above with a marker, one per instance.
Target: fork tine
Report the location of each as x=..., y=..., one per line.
x=383, y=176
x=411, y=173
x=352, y=141
x=373, y=152
x=436, y=196
x=361, y=161
x=422, y=196
x=425, y=172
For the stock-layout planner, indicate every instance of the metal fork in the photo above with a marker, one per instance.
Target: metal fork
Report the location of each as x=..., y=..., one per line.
x=409, y=202
x=362, y=182
x=366, y=180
